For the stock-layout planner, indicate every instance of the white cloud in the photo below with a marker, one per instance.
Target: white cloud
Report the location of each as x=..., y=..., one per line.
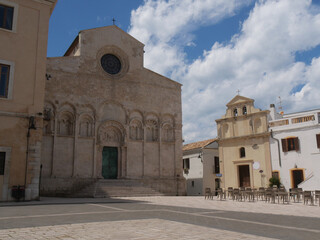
x=260, y=60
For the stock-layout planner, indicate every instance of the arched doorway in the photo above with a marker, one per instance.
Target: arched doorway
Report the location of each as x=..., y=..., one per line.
x=111, y=164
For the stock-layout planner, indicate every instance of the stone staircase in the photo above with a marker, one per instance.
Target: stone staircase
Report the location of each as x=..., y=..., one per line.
x=105, y=188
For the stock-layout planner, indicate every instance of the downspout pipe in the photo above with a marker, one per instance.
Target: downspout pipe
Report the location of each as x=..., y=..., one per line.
x=271, y=135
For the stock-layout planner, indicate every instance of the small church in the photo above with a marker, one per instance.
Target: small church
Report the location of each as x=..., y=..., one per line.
x=109, y=119
x=244, y=145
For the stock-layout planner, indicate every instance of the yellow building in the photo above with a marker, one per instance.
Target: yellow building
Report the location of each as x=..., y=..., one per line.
x=23, y=34
x=244, y=148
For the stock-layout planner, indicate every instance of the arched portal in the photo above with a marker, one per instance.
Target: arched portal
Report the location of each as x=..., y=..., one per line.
x=111, y=151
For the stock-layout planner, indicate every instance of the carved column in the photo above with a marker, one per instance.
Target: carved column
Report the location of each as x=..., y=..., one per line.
x=75, y=141
x=54, y=144
x=159, y=142
x=94, y=150
x=143, y=149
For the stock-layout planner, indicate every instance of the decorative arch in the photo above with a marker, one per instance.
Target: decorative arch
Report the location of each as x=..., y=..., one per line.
x=66, y=106
x=136, y=130
x=112, y=111
x=88, y=109
x=152, y=129
x=66, y=123
x=168, y=118
x=86, y=125
x=111, y=133
x=167, y=132
x=136, y=114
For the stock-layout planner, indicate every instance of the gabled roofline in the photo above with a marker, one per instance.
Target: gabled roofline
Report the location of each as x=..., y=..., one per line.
x=116, y=27
x=199, y=146
x=72, y=46
x=241, y=97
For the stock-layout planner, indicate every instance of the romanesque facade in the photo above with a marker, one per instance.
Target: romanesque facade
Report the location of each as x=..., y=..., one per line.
x=108, y=117
x=244, y=149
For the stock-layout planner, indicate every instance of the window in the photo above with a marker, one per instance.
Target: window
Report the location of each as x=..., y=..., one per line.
x=235, y=112
x=275, y=174
x=4, y=80
x=303, y=119
x=318, y=140
x=2, y=161
x=186, y=163
x=290, y=144
x=6, y=17
x=244, y=110
x=242, y=152
x=192, y=183
x=216, y=165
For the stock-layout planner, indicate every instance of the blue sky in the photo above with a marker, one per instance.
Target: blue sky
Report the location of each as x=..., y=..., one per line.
x=264, y=48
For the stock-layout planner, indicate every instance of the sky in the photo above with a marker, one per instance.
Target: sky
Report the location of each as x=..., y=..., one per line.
x=265, y=49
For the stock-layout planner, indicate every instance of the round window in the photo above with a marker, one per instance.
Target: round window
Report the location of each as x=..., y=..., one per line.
x=111, y=64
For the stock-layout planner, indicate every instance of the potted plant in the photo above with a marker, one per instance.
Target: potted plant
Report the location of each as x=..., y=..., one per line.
x=274, y=181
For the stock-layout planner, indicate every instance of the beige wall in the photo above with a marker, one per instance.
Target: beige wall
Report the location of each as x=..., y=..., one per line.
x=24, y=48
x=249, y=131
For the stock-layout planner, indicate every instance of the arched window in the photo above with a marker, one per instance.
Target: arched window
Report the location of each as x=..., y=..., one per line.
x=235, y=112
x=244, y=110
x=242, y=152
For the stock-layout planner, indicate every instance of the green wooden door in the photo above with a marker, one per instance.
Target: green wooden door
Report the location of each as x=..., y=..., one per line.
x=110, y=162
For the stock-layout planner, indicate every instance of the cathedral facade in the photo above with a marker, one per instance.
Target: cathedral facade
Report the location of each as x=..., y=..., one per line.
x=108, y=117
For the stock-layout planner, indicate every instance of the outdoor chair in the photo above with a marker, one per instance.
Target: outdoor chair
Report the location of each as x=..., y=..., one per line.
x=317, y=196
x=296, y=193
x=261, y=193
x=283, y=195
x=270, y=195
x=230, y=192
x=207, y=193
x=249, y=194
x=307, y=195
x=221, y=194
x=237, y=194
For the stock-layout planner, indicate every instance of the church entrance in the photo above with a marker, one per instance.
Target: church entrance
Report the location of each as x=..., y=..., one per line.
x=110, y=162
x=244, y=176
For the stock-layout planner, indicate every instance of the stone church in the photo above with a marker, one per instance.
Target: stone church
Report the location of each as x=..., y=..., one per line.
x=108, y=117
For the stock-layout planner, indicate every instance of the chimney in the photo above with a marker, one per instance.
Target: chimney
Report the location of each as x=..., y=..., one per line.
x=273, y=113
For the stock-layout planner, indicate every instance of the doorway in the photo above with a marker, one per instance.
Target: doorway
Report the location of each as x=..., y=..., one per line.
x=296, y=177
x=244, y=176
x=217, y=185
x=110, y=162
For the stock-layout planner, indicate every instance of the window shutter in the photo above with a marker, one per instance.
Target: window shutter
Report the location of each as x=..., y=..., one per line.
x=284, y=145
x=318, y=140
x=296, y=144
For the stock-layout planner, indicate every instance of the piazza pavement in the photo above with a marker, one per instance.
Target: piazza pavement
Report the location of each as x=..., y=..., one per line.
x=157, y=217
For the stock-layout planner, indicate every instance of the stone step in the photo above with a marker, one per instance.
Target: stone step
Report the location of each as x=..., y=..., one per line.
x=117, y=188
